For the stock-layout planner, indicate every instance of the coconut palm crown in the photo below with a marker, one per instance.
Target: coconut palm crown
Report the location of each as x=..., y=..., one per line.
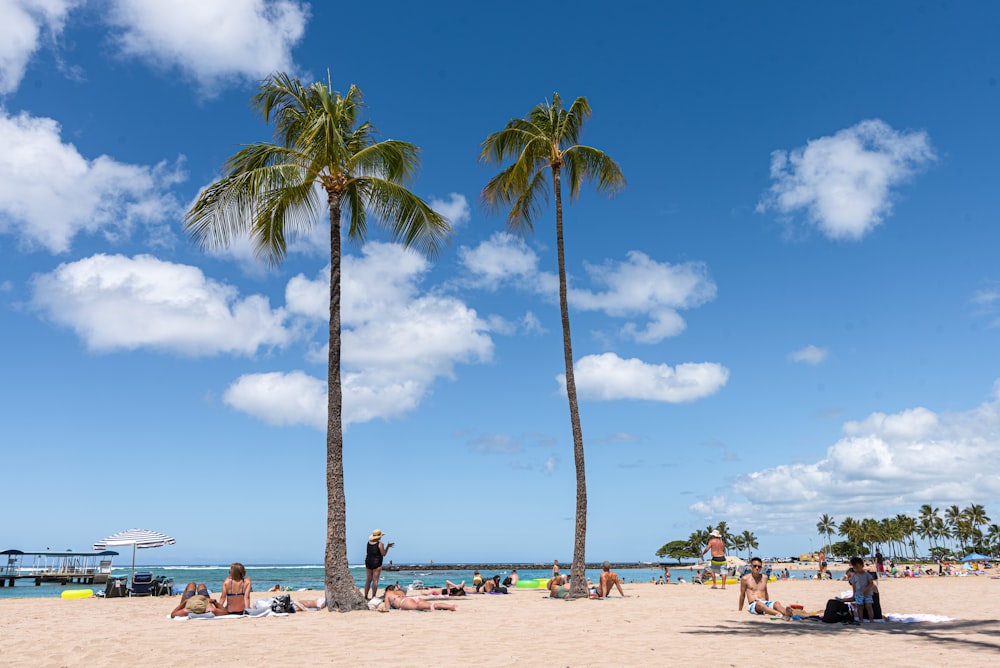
x=547, y=143
x=273, y=191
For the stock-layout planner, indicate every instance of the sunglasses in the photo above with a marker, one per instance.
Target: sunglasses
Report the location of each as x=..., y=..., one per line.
x=756, y=566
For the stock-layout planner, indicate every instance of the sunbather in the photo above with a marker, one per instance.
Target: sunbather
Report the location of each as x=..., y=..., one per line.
x=196, y=600
x=395, y=599
x=236, y=590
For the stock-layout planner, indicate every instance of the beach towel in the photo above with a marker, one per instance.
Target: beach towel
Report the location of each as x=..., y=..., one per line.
x=256, y=612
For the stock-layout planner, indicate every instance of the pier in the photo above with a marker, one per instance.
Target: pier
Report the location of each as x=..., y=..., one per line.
x=92, y=568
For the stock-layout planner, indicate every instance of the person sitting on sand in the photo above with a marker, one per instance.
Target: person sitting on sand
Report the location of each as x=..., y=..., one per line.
x=558, y=587
x=236, y=590
x=196, y=600
x=753, y=589
x=395, y=599
x=608, y=579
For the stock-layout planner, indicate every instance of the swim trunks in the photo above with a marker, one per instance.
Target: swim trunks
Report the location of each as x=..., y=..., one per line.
x=717, y=564
x=753, y=606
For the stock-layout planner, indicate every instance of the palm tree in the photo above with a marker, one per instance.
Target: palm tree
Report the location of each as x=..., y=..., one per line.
x=826, y=525
x=952, y=518
x=850, y=529
x=271, y=191
x=543, y=143
x=749, y=542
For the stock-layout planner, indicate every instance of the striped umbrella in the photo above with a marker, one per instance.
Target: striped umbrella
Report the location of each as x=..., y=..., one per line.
x=141, y=539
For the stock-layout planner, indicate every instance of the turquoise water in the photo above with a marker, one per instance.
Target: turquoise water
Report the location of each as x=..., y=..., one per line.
x=311, y=577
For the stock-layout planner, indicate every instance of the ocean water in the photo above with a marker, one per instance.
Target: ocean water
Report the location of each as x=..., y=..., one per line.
x=311, y=577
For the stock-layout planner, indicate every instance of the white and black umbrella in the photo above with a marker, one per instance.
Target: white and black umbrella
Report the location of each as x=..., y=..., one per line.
x=141, y=539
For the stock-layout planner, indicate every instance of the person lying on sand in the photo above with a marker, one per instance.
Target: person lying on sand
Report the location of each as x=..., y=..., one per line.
x=195, y=600
x=398, y=600
x=452, y=589
x=753, y=589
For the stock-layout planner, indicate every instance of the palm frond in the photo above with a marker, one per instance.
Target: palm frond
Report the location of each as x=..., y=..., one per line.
x=587, y=163
x=408, y=219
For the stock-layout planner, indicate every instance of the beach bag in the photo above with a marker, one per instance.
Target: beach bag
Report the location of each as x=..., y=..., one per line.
x=837, y=612
x=282, y=604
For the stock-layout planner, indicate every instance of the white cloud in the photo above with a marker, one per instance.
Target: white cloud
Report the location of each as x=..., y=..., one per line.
x=455, y=208
x=844, y=182
x=809, y=355
x=607, y=376
x=395, y=341
x=884, y=464
x=502, y=259
x=212, y=41
x=114, y=302
x=21, y=25
x=640, y=288
x=49, y=192
x=280, y=398
x=646, y=288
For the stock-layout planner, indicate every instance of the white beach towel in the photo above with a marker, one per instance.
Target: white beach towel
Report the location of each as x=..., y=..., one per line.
x=209, y=615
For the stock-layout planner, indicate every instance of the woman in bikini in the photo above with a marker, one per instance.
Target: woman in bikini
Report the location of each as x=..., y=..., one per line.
x=396, y=599
x=236, y=590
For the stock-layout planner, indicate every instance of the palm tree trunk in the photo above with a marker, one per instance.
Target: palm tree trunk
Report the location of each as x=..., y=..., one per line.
x=341, y=591
x=578, y=585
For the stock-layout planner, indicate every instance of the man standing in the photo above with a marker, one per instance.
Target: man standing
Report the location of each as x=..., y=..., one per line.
x=753, y=589
x=718, y=563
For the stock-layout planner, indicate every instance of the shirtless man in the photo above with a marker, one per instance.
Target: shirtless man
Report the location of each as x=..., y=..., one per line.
x=608, y=579
x=718, y=565
x=753, y=589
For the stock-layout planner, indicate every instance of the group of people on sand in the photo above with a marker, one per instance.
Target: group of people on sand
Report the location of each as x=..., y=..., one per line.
x=234, y=599
x=559, y=585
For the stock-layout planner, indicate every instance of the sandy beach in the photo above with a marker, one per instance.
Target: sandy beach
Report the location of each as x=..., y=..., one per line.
x=654, y=625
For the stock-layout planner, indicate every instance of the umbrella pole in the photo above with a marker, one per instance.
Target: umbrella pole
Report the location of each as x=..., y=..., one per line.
x=133, y=564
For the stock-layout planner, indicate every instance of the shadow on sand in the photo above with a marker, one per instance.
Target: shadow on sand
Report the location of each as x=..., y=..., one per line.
x=961, y=634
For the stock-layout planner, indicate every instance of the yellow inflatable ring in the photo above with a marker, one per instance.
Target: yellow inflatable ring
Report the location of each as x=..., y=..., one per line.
x=77, y=593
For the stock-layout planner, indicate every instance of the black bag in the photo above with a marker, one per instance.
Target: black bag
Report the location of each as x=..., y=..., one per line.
x=282, y=603
x=837, y=611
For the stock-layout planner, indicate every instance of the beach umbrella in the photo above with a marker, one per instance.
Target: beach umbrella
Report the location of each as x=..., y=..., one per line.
x=975, y=556
x=139, y=539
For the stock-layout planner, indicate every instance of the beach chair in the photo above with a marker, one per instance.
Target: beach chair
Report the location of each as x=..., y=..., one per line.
x=116, y=588
x=142, y=584
x=162, y=585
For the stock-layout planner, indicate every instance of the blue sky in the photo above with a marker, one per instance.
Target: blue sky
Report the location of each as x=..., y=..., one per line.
x=791, y=310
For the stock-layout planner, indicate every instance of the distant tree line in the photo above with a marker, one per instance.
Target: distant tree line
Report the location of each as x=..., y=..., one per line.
x=956, y=533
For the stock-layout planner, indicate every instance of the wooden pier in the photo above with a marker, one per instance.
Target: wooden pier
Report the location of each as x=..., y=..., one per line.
x=92, y=568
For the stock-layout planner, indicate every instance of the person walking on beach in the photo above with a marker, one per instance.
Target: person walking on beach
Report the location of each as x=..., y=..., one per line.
x=376, y=550
x=555, y=568
x=753, y=589
x=718, y=563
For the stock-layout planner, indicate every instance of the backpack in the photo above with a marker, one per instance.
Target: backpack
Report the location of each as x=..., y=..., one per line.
x=283, y=604
x=837, y=611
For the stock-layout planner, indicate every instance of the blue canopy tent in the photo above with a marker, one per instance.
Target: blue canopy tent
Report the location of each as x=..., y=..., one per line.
x=975, y=556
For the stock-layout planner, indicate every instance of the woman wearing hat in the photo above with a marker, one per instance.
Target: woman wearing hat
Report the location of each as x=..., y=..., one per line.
x=373, y=562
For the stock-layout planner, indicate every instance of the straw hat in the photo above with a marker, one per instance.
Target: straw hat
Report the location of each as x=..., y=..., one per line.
x=715, y=532
x=376, y=535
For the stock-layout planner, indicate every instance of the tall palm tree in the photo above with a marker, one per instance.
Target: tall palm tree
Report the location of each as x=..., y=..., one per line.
x=953, y=519
x=544, y=143
x=826, y=525
x=271, y=191
x=749, y=542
